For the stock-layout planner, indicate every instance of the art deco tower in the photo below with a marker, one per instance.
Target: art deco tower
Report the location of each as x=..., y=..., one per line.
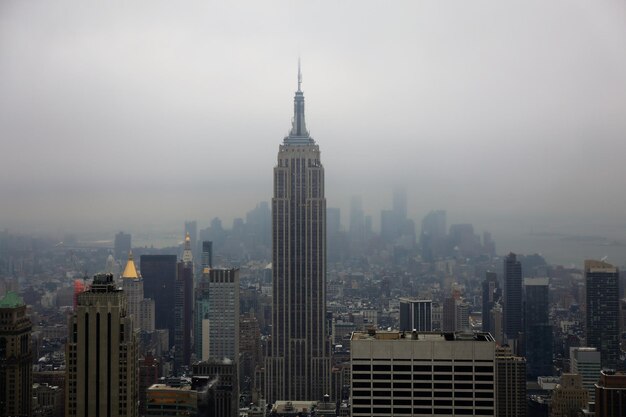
x=299, y=365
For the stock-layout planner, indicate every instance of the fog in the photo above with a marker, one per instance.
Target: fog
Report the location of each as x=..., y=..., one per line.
x=138, y=115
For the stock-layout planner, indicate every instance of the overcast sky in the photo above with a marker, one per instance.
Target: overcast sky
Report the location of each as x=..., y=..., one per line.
x=137, y=114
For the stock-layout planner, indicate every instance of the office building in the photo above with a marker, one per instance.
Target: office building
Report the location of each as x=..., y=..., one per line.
x=191, y=230
x=121, y=245
x=101, y=354
x=16, y=357
x=183, y=309
x=512, y=300
x=538, y=329
x=142, y=309
x=569, y=396
x=217, y=315
x=223, y=400
x=395, y=373
x=159, y=277
x=510, y=383
x=491, y=294
x=149, y=374
x=207, y=254
x=586, y=361
x=602, y=284
x=611, y=394
x=298, y=367
x=165, y=400
x=416, y=315
x=433, y=235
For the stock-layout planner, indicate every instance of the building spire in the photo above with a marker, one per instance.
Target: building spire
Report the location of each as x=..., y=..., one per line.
x=299, y=77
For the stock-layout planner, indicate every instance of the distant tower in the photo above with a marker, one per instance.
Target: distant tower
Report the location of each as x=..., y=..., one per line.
x=183, y=308
x=538, y=329
x=121, y=245
x=191, y=229
x=142, y=309
x=207, y=254
x=491, y=294
x=101, y=373
x=16, y=357
x=512, y=299
x=298, y=367
x=602, y=282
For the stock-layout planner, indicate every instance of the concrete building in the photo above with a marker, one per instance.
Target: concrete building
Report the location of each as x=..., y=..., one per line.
x=569, y=396
x=159, y=277
x=510, y=383
x=611, y=394
x=223, y=388
x=16, y=357
x=413, y=373
x=298, y=367
x=416, y=315
x=586, y=361
x=101, y=354
x=164, y=400
x=602, y=284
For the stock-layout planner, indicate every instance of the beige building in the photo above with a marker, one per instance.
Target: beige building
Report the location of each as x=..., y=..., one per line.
x=165, y=401
x=142, y=309
x=510, y=383
x=101, y=354
x=422, y=373
x=16, y=357
x=569, y=396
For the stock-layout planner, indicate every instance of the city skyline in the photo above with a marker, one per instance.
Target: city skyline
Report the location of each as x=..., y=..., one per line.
x=104, y=123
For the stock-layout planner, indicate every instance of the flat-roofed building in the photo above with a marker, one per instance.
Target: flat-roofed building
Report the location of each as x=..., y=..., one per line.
x=422, y=373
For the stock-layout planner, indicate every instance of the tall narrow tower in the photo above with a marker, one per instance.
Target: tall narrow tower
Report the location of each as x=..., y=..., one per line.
x=299, y=365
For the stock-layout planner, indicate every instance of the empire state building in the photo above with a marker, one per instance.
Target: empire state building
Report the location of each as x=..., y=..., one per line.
x=299, y=365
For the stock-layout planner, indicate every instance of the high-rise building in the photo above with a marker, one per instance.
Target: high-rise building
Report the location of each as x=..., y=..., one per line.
x=416, y=315
x=142, y=309
x=249, y=351
x=207, y=254
x=191, y=229
x=611, y=394
x=149, y=374
x=216, y=333
x=569, y=396
x=159, y=275
x=491, y=294
x=395, y=373
x=16, y=357
x=512, y=300
x=586, y=362
x=224, y=389
x=602, y=283
x=121, y=245
x=510, y=383
x=101, y=354
x=538, y=329
x=299, y=364
x=183, y=308
x=357, y=219
x=433, y=235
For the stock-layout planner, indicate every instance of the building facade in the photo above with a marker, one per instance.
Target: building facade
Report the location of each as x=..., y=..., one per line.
x=569, y=396
x=16, y=357
x=396, y=373
x=142, y=309
x=491, y=295
x=537, y=327
x=183, y=309
x=101, y=354
x=416, y=315
x=586, y=361
x=512, y=300
x=298, y=367
x=510, y=383
x=159, y=275
x=602, y=284
x=611, y=394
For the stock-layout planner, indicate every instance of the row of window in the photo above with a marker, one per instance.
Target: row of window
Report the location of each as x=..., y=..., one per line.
x=422, y=368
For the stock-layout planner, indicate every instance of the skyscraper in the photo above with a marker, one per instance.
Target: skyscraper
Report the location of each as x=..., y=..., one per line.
x=510, y=383
x=16, y=357
x=142, y=309
x=121, y=246
x=491, y=294
x=416, y=315
x=537, y=326
x=586, y=362
x=512, y=299
x=602, y=282
x=207, y=254
x=299, y=364
x=159, y=274
x=183, y=308
x=101, y=352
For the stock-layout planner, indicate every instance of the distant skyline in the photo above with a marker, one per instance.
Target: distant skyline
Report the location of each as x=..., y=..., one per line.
x=138, y=116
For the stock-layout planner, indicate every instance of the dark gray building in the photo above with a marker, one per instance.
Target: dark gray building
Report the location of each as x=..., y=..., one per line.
x=537, y=328
x=491, y=294
x=512, y=299
x=159, y=275
x=416, y=315
x=602, y=282
x=298, y=367
x=122, y=245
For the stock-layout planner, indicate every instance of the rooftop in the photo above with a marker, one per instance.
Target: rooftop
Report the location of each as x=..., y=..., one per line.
x=423, y=336
x=11, y=300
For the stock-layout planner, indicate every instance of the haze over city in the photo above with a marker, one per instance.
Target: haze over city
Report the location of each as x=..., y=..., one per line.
x=139, y=116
